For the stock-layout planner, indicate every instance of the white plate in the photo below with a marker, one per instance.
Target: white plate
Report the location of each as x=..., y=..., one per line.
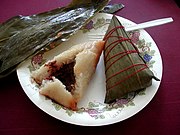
x=93, y=111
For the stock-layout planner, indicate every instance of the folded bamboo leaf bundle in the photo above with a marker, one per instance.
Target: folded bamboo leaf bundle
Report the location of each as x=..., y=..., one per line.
x=23, y=36
x=125, y=69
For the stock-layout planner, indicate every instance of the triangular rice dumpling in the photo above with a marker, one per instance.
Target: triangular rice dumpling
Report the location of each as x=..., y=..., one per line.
x=66, y=76
x=125, y=69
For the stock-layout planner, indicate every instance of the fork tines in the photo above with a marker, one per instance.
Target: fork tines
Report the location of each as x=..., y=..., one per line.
x=96, y=36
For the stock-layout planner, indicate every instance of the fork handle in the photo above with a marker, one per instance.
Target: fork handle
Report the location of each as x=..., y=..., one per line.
x=149, y=24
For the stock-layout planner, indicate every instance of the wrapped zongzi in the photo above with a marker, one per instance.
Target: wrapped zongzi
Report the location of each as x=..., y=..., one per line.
x=125, y=69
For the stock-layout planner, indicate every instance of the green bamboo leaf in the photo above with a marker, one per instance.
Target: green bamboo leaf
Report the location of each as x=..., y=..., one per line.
x=28, y=35
x=121, y=83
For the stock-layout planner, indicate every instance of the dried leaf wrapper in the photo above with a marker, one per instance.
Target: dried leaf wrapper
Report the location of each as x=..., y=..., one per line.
x=125, y=69
x=24, y=36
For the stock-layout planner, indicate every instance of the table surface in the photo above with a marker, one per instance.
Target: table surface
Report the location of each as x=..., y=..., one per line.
x=18, y=115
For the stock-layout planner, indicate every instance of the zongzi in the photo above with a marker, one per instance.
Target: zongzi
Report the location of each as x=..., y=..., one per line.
x=65, y=78
x=125, y=69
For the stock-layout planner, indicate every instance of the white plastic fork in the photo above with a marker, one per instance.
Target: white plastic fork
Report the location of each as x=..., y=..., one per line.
x=148, y=24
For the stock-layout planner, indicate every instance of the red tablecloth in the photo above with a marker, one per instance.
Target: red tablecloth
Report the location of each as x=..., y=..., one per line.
x=18, y=115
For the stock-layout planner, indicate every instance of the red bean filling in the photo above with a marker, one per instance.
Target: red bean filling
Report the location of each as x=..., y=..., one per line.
x=66, y=75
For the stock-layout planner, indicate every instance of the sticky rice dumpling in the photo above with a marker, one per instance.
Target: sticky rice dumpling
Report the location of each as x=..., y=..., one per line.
x=65, y=78
x=125, y=69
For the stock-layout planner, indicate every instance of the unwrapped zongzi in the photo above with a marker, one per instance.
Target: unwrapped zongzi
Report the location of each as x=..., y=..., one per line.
x=66, y=77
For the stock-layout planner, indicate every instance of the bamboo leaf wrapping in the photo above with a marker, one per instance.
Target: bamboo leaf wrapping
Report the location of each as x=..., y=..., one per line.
x=125, y=69
x=24, y=36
